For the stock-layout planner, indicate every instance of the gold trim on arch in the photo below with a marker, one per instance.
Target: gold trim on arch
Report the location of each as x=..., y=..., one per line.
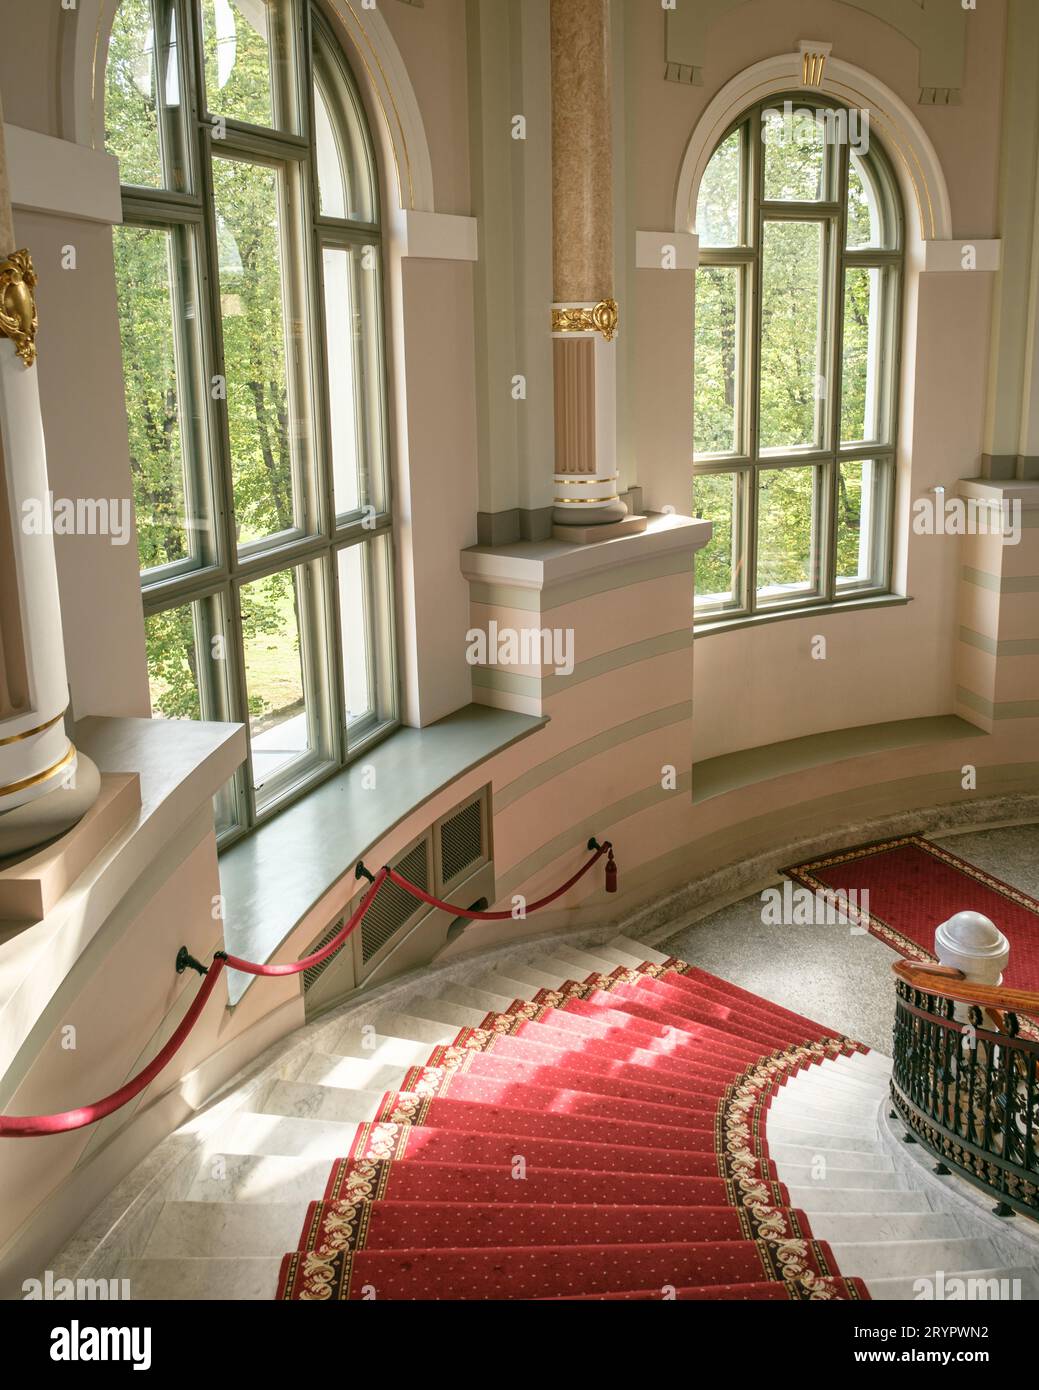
x=40, y=776
x=29, y=733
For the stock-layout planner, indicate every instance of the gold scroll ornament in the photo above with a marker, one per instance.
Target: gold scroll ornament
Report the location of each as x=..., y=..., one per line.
x=18, y=320
x=602, y=319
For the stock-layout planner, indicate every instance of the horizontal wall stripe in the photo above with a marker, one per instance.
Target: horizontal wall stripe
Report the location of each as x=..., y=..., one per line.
x=1010, y=709
x=1018, y=584
x=581, y=752
x=1008, y=646
x=600, y=582
x=578, y=833
x=499, y=678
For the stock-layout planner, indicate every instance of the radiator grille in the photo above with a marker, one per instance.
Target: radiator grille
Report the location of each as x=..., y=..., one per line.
x=311, y=976
x=393, y=906
x=461, y=841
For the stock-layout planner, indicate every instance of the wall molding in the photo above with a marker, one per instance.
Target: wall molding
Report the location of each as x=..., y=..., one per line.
x=56, y=176
x=913, y=155
x=439, y=236
x=956, y=255
x=936, y=28
x=667, y=250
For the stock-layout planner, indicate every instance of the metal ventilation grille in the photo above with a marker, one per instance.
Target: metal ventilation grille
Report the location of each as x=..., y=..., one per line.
x=311, y=976
x=461, y=841
x=393, y=906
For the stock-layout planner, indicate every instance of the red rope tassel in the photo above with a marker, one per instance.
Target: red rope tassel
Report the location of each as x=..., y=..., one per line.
x=611, y=873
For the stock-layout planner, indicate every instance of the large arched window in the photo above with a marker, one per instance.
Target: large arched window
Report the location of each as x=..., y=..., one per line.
x=798, y=302
x=250, y=303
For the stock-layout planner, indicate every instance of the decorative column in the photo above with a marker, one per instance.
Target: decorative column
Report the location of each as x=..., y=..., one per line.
x=585, y=318
x=45, y=786
x=974, y=944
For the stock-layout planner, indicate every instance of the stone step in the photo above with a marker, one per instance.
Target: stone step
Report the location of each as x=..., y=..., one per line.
x=804, y=1156
x=198, y=1280
x=820, y=1136
x=889, y=1259
x=303, y=1101
x=842, y=1227
x=370, y=1046
x=324, y=1069
x=804, y=1175
x=259, y=1178
x=996, y=1285
x=856, y=1199
x=222, y=1230
x=250, y=1132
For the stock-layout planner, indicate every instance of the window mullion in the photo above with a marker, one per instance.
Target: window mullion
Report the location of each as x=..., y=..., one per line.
x=752, y=331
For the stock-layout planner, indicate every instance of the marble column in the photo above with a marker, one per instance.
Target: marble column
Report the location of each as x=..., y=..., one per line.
x=585, y=314
x=45, y=785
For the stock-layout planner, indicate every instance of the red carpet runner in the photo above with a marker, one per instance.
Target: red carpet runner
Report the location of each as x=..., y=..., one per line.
x=604, y=1141
x=914, y=886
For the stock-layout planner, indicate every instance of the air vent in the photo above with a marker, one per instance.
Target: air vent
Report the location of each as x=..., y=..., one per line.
x=311, y=976
x=393, y=906
x=461, y=841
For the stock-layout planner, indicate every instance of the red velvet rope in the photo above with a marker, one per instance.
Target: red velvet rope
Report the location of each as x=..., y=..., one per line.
x=425, y=897
x=30, y=1126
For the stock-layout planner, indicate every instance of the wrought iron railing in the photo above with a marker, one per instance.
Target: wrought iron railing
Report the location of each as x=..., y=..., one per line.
x=965, y=1081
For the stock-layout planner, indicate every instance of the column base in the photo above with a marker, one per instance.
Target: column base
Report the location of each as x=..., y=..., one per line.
x=45, y=818
x=608, y=531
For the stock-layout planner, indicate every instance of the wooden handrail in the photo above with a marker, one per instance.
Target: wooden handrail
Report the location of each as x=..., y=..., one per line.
x=950, y=983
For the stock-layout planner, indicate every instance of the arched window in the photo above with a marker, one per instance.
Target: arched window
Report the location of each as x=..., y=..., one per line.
x=798, y=306
x=250, y=301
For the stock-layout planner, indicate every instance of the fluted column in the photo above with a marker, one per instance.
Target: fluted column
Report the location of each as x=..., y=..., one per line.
x=585, y=313
x=45, y=786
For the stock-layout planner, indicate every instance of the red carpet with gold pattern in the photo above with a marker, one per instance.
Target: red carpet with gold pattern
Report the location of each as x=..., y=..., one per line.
x=600, y=1141
x=914, y=886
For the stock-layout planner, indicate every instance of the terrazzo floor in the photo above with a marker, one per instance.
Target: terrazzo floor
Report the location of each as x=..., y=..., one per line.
x=826, y=972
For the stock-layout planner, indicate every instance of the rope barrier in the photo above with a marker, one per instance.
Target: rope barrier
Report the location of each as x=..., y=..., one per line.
x=32, y=1126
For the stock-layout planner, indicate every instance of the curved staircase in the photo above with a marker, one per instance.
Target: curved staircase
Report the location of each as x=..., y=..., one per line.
x=613, y=1124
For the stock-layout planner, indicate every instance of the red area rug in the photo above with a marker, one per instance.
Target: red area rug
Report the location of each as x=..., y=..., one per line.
x=602, y=1141
x=914, y=886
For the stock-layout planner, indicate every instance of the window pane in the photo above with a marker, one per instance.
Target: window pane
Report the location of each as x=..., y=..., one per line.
x=240, y=42
x=795, y=155
x=259, y=408
x=366, y=617
x=353, y=349
x=147, y=291
x=792, y=361
x=864, y=228
x=716, y=359
x=718, y=205
x=331, y=176
x=862, y=508
x=717, y=568
x=346, y=173
x=787, y=506
x=173, y=641
x=271, y=625
x=142, y=98
x=862, y=394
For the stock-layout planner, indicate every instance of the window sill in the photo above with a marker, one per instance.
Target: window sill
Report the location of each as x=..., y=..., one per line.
x=272, y=877
x=708, y=626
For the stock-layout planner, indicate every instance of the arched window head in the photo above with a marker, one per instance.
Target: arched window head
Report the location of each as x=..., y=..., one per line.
x=249, y=281
x=798, y=307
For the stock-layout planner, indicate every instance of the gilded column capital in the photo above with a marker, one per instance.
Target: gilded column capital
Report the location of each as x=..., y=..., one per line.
x=603, y=318
x=18, y=318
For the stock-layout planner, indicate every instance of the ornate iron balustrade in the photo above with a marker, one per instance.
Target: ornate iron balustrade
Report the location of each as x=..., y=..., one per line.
x=967, y=1086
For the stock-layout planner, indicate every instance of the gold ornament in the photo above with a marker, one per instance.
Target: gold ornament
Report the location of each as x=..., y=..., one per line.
x=602, y=319
x=18, y=319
